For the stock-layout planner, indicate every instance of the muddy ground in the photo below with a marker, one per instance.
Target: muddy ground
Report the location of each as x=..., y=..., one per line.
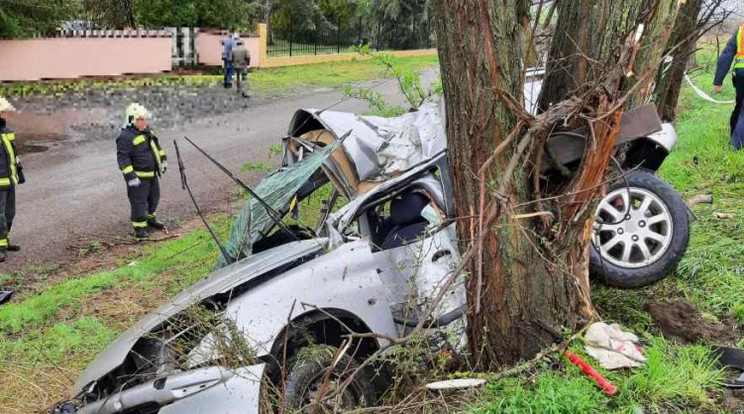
x=74, y=190
x=681, y=321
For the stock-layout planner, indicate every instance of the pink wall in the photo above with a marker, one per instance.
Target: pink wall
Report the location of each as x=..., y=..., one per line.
x=210, y=49
x=57, y=58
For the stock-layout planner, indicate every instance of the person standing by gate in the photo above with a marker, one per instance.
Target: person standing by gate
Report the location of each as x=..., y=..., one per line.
x=733, y=53
x=11, y=174
x=228, y=44
x=142, y=161
x=241, y=59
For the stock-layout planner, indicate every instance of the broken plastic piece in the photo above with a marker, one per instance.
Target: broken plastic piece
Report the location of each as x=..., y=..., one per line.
x=733, y=359
x=605, y=385
x=456, y=384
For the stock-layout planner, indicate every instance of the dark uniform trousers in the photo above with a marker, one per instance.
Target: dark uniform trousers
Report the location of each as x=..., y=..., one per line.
x=7, y=213
x=144, y=201
x=737, y=120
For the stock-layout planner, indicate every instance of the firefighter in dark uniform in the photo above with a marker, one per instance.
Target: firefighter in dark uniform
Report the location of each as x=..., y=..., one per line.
x=11, y=174
x=142, y=161
x=733, y=53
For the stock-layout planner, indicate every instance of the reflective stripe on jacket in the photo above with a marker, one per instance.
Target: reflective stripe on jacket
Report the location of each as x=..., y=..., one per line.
x=139, y=153
x=739, y=58
x=8, y=159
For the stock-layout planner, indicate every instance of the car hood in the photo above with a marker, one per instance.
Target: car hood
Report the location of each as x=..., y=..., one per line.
x=221, y=281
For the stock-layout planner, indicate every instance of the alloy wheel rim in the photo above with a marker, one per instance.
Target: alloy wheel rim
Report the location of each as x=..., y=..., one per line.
x=632, y=237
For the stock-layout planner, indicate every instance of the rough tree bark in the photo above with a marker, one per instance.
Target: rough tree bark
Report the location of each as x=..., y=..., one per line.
x=683, y=41
x=480, y=44
x=588, y=39
x=530, y=275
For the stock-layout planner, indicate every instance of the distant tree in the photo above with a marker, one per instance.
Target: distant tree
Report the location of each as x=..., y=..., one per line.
x=110, y=13
x=403, y=23
x=298, y=16
x=223, y=14
x=695, y=18
x=21, y=18
x=337, y=11
x=264, y=8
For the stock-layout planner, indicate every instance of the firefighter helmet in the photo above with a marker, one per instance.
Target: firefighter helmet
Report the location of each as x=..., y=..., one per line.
x=136, y=111
x=5, y=105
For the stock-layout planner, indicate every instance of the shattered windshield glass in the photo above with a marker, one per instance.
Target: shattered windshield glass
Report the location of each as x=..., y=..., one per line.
x=276, y=190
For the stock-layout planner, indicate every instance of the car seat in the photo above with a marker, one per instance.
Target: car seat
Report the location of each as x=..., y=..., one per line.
x=405, y=216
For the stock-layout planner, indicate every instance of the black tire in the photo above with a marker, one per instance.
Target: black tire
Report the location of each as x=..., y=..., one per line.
x=307, y=373
x=636, y=277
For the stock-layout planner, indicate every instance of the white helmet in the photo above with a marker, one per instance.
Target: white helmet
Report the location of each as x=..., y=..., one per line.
x=134, y=112
x=236, y=36
x=5, y=105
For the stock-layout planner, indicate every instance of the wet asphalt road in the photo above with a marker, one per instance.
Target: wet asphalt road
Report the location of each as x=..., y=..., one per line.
x=76, y=191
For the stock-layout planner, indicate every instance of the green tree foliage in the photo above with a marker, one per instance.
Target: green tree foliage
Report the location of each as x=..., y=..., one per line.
x=109, y=13
x=223, y=14
x=406, y=24
x=297, y=16
x=22, y=18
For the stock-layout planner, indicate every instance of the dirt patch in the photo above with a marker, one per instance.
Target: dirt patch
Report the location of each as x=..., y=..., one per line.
x=107, y=254
x=24, y=388
x=121, y=308
x=682, y=321
x=733, y=400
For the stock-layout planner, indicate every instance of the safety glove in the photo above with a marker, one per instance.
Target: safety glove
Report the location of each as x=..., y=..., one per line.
x=135, y=182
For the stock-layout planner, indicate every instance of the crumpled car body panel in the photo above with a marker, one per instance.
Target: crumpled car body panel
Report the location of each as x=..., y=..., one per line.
x=219, y=282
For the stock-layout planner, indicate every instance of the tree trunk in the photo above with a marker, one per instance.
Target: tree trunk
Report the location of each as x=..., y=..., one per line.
x=268, y=7
x=523, y=300
x=129, y=13
x=529, y=277
x=588, y=40
x=683, y=38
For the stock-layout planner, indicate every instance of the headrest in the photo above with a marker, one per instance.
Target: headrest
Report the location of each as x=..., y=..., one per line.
x=407, y=209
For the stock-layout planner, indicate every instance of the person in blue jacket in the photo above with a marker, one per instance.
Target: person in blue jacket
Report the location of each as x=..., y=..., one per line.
x=733, y=53
x=228, y=43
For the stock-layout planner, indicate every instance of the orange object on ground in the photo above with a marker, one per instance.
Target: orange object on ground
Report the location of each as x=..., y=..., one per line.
x=605, y=385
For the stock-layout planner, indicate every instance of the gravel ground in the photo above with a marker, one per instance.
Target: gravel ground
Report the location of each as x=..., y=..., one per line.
x=74, y=190
x=97, y=113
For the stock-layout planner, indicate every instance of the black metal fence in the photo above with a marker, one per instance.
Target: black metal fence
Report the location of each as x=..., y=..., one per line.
x=392, y=35
x=341, y=37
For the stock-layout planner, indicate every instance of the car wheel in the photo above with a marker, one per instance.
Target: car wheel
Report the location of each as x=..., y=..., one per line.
x=641, y=233
x=305, y=390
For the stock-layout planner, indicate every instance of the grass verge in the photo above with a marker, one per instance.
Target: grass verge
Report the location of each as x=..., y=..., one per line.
x=47, y=339
x=263, y=82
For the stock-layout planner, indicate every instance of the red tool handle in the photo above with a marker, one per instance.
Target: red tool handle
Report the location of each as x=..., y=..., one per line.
x=606, y=386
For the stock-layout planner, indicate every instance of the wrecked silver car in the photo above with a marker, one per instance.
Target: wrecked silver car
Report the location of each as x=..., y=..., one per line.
x=382, y=247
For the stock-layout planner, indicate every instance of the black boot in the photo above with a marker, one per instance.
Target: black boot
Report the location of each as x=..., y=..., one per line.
x=155, y=224
x=12, y=247
x=2, y=255
x=141, y=234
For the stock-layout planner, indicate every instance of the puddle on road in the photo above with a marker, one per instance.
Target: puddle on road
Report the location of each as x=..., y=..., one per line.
x=38, y=132
x=31, y=148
